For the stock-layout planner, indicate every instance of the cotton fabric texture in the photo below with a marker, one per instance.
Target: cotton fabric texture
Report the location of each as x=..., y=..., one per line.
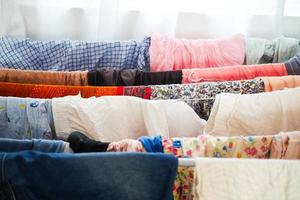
x=52, y=91
x=231, y=73
x=260, y=51
x=76, y=78
x=264, y=113
x=167, y=53
x=280, y=82
x=247, y=179
x=132, y=77
x=201, y=96
x=26, y=118
x=32, y=175
x=114, y=118
x=72, y=55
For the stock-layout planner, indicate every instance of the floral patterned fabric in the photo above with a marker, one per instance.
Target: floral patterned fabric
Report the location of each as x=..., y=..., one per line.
x=201, y=96
x=183, y=185
x=219, y=147
x=138, y=91
x=280, y=146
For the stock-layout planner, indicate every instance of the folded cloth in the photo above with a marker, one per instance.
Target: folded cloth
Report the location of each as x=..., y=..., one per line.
x=77, y=78
x=280, y=82
x=259, y=51
x=33, y=175
x=255, y=114
x=70, y=55
x=286, y=146
x=132, y=77
x=231, y=73
x=22, y=118
x=167, y=53
x=113, y=118
x=52, y=91
x=246, y=179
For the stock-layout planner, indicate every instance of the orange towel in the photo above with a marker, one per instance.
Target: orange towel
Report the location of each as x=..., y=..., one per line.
x=231, y=73
x=78, y=78
x=280, y=82
x=52, y=91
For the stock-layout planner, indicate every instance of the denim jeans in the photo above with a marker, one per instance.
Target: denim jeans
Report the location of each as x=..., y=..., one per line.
x=26, y=118
x=14, y=145
x=31, y=175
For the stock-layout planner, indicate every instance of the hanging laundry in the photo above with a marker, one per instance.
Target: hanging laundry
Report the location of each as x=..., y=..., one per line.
x=201, y=96
x=138, y=91
x=76, y=78
x=71, y=55
x=167, y=53
x=131, y=77
x=286, y=146
x=183, y=185
x=32, y=175
x=246, y=179
x=293, y=65
x=231, y=73
x=260, y=51
x=52, y=91
x=48, y=146
x=114, y=118
x=280, y=82
x=264, y=113
x=22, y=118
x=220, y=147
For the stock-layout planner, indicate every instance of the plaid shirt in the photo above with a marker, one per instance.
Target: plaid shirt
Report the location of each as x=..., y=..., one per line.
x=68, y=55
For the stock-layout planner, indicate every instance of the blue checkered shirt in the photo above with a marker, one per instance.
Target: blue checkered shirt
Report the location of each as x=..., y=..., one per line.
x=68, y=55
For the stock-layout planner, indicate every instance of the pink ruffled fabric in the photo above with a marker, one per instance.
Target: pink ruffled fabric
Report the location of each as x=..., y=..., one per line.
x=168, y=53
x=232, y=73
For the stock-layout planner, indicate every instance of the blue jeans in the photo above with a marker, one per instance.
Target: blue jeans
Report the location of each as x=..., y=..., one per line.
x=26, y=118
x=14, y=145
x=31, y=175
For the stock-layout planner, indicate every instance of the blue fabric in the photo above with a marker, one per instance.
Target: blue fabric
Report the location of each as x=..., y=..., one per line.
x=14, y=145
x=293, y=65
x=69, y=55
x=152, y=144
x=26, y=118
x=107, y=176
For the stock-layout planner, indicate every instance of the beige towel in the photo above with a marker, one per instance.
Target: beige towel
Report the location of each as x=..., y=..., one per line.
x=255, y=114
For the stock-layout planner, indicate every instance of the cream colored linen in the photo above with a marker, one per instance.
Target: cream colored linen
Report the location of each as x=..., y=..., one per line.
x=113, y=118
x=255, y=114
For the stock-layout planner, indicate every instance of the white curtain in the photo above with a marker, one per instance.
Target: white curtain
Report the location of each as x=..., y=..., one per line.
x=133, y=19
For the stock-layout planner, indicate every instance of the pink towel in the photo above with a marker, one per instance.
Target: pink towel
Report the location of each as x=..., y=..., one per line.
x=167, y=53
x=231, y=73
